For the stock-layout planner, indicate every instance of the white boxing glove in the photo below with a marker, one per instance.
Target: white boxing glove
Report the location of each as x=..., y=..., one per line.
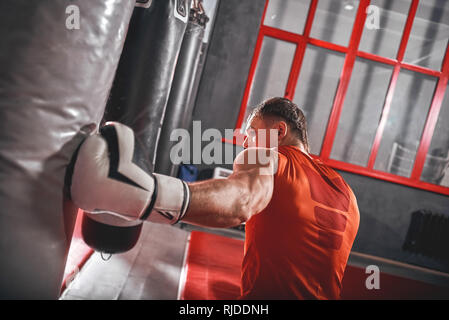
x=106, y=180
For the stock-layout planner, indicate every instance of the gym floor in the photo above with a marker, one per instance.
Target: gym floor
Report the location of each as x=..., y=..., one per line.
x=151, y=270
x=186, y=262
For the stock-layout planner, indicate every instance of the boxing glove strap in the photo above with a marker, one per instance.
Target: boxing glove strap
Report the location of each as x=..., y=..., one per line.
x=169, y=202
x=150, y=207
x=186, y=202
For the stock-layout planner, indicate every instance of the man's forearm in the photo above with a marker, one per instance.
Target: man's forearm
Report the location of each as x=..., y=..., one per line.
x=217, y=203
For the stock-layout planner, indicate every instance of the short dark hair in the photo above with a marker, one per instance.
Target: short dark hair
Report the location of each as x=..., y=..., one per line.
x=288, y=111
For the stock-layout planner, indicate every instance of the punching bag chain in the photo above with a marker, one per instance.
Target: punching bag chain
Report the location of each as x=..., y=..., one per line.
x=198, y=14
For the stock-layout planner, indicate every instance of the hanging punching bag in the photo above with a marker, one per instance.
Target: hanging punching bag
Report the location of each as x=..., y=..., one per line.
x=138, y=99
x=179, y=103
x=57, y=64
x=144, y=77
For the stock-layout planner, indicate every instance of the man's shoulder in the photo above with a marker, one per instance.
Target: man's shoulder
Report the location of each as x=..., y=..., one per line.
x=289, y=153
x=292, y=153
x=264, y=159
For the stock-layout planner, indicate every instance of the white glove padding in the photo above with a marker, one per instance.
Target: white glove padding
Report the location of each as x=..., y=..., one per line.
x=106, y=180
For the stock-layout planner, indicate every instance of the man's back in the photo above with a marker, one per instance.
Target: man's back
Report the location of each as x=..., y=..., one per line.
x=298, y=246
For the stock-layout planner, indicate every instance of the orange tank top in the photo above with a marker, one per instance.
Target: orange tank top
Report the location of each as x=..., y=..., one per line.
x=298, y=246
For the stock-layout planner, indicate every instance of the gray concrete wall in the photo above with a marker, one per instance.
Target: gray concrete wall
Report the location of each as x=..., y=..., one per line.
x=385, y=212
x=227, y=64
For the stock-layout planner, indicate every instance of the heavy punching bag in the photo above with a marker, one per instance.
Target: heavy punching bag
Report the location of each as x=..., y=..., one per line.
x=144, y=77
x=138, y=99
x=57, y=64
x=179, y=105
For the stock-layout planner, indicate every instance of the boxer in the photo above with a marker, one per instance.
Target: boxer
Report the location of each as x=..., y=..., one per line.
x=301, y=216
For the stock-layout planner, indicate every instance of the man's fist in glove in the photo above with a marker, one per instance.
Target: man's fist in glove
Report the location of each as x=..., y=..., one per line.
x=106, y=180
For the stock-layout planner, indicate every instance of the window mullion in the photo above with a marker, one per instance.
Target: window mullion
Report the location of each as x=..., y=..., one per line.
x=431, y=120
x=252, y=70
x=344, y=79
x=300, y=51
x=393, y=81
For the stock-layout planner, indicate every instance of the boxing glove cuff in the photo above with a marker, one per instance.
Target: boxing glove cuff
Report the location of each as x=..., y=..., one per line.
x=169, y=202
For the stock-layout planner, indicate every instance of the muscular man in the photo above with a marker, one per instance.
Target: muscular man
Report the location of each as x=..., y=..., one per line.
x=301, y=216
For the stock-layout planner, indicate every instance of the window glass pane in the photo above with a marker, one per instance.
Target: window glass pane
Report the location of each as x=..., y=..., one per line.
x=315, y=90
x=289, y=15
x=385, y=41
x=409, y=108
x=272, y=72
x=334, y=20
x=436, y=166
x=429, y=35
x=361, y=112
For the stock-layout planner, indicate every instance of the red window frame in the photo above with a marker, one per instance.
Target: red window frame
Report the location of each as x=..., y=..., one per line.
x=352, y=52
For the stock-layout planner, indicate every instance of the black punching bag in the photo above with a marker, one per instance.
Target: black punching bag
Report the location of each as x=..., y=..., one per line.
x=144, y=77
x=138, y=99
x=179, y=108
x=57, y=65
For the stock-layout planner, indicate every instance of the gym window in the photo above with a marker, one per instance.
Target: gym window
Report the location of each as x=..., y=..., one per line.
x=375, y=99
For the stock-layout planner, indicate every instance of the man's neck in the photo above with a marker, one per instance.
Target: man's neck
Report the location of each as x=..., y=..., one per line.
x=297, y=144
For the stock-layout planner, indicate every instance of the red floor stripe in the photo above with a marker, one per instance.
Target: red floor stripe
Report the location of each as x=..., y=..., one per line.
x=391, y=287
x=213, y=267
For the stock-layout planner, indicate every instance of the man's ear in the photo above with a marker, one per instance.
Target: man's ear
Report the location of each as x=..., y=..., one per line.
x=282, y=129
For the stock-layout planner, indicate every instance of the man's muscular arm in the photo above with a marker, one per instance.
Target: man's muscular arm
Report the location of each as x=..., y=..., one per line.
x=106, y=182
x=232, y=201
